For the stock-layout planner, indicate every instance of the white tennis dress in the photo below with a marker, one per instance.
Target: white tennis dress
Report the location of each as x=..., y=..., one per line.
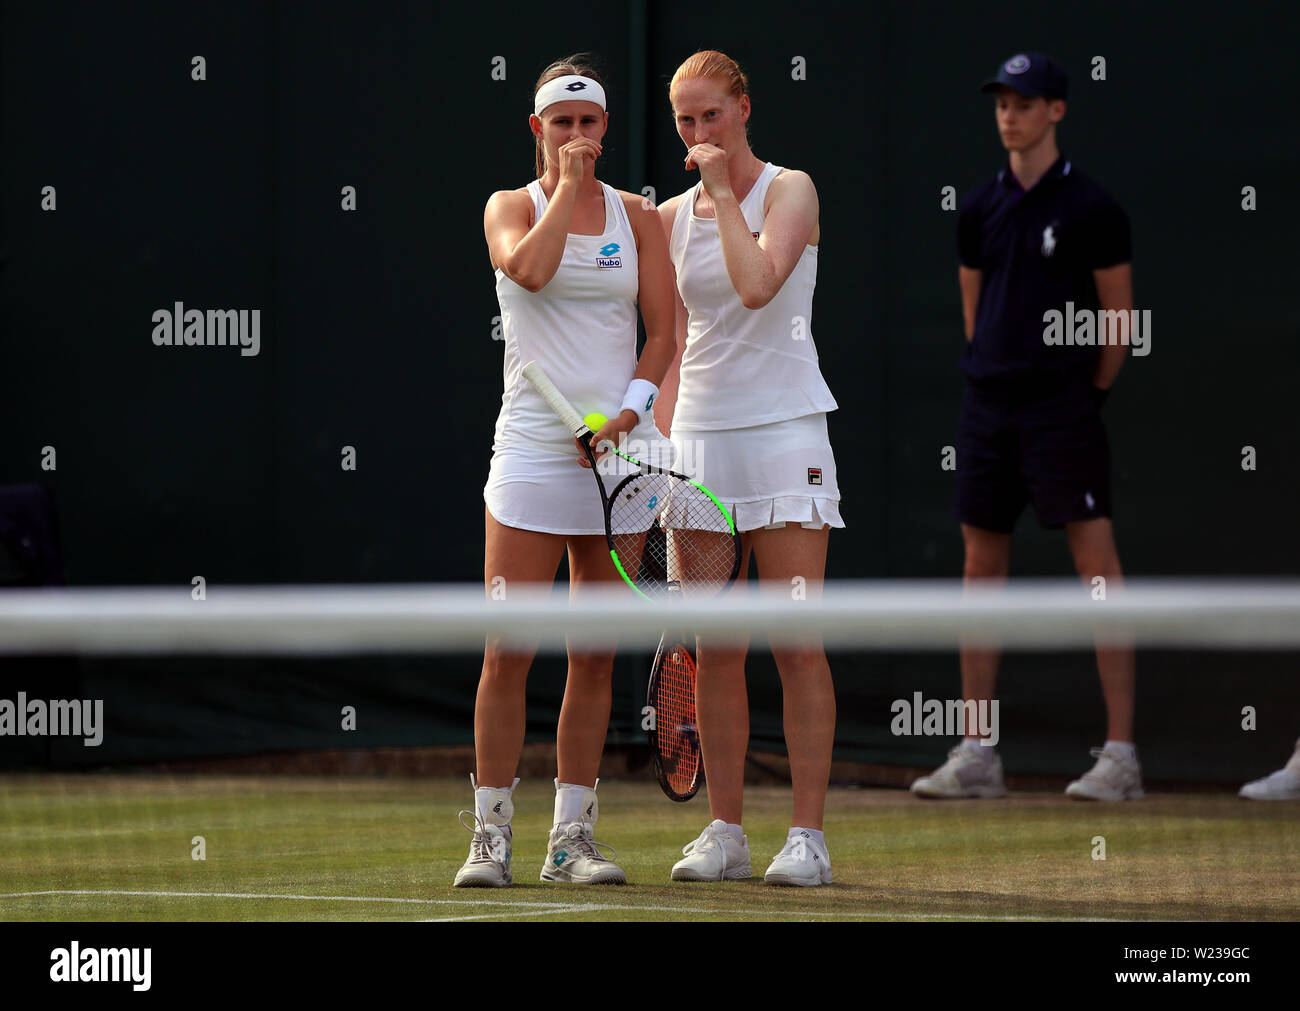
x=581, y=328
x=750, y=420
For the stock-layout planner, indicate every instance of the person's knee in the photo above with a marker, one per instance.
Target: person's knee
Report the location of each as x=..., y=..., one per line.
x=798, y=663
x=500, y=665
x=591, y=668
x=720, y=667
x=986, y=561
x=1097, y=561
x=988, y=553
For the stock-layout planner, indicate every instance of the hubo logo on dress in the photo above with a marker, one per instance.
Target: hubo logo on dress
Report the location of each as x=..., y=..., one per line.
x=608, y=257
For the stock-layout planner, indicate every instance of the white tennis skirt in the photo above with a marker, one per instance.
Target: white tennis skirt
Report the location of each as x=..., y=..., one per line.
x=767, y=475
x=540, y=489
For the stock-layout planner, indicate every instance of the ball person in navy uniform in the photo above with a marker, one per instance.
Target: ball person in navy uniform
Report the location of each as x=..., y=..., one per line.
x=1036, y=237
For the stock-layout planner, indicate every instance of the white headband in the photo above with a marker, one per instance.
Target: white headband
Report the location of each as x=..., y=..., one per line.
x=570, y=88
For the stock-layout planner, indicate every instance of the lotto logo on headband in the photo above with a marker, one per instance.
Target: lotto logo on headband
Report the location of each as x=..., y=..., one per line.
x=567, y=89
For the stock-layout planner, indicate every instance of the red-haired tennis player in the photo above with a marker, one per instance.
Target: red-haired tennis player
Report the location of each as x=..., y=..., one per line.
x=751, y=397
x=573, y=256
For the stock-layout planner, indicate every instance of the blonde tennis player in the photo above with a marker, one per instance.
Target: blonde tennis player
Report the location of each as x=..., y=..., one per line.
x=573, y=256
x=751, y=398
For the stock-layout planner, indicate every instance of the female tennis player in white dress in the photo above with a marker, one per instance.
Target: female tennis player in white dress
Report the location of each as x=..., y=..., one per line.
x=750, y=412
x=573, y=257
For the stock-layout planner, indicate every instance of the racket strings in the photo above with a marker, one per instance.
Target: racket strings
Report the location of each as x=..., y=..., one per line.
x=675, y=726
x=671, y=536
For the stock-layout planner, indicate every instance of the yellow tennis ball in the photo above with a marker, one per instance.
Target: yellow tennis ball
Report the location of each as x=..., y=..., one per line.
x=595, y=421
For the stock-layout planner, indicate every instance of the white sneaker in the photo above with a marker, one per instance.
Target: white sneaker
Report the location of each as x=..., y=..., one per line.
x=1114, y=777
x=716, y=855
x=802, y=861
x=1281, y=785
x=572, y=855
x=488, y=865
x=965, y=774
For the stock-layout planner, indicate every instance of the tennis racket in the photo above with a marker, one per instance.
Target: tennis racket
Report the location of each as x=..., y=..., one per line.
x=673, y=733
x=669, y=536
x=670, y=539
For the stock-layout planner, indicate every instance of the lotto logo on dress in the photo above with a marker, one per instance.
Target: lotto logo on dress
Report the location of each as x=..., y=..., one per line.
x=607, y=259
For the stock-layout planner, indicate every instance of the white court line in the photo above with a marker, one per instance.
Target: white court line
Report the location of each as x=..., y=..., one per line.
x=531, y=912
x=550, y=908
x=272, y=895
x=860, y=915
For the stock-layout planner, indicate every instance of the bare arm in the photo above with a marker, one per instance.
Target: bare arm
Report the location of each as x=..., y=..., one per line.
x=658, y=290
x=1114, y=292
x=655, y=297
x=759, y=269
x=969, y=281
x=667, y=400
x=530, y=256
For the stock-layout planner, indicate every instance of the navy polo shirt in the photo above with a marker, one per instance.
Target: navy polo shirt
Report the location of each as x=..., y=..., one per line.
x=1036, y=251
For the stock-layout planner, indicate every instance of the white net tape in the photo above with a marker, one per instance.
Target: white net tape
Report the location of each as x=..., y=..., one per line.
x=434, y=618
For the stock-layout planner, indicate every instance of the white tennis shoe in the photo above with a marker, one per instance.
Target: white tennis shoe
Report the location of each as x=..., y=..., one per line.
x=802, y=861
x=573, y=855
x=1281, y=785
x=488, y=865
x=1114, y=777
x=716, y=855
x=965, y=774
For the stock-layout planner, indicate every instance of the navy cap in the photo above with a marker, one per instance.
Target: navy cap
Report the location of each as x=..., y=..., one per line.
x=1030, y=74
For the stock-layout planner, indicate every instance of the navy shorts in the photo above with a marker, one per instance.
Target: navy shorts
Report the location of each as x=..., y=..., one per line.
x=1019, y=443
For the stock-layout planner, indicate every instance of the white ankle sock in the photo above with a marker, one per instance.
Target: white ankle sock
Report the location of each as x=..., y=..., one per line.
x=815, y=833
x=494, y=804
x=571, y=803
x=973, y=744
x=1125, y=748
x=735, y=831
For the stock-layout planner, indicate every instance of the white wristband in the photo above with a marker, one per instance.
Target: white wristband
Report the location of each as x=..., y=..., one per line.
x=640, y=398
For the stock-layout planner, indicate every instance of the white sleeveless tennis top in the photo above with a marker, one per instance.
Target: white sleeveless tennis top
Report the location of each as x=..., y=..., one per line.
x=742, y=367
x=581, y=328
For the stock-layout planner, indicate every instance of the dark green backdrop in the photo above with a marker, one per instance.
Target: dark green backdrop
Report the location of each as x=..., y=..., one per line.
x=377, y=324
